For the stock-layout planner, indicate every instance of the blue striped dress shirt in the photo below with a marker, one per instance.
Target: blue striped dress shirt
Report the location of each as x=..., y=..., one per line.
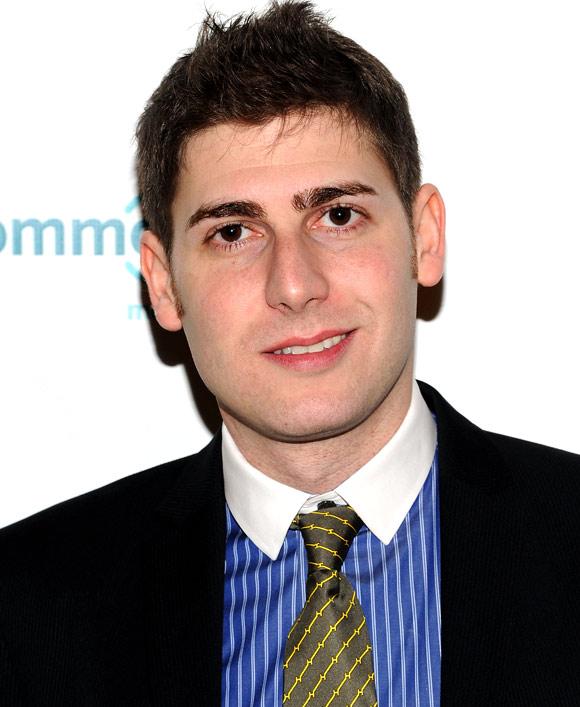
x=398, y=588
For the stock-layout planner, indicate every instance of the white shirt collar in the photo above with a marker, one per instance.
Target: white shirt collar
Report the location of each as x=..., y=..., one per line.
x=381, y=492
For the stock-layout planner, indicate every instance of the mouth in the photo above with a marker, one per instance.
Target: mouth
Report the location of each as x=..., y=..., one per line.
x=297, y=350
x=311, y=354
x=296, y=345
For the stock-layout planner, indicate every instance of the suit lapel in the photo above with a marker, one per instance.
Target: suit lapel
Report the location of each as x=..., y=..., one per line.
x=185, y=569
x=481, y=550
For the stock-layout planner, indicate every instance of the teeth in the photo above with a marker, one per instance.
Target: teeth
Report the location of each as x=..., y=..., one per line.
x=313, y=348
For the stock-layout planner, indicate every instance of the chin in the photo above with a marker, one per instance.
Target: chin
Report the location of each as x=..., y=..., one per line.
x=311, y=425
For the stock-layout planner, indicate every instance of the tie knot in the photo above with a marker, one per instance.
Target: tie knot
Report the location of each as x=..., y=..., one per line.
x=328, y=534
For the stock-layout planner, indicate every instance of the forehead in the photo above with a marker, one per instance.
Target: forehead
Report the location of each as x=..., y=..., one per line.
x=280, y=155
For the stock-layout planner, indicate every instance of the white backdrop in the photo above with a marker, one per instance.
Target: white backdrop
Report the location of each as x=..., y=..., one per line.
x=85, y=398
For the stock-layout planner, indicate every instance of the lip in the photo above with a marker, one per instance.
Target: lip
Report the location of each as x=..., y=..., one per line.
x=311, y=362
x=308, y=340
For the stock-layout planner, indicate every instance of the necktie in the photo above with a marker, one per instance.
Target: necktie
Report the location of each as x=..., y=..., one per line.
x=328, y=659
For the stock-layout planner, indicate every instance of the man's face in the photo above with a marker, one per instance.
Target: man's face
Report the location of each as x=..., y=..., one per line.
x=285, y=241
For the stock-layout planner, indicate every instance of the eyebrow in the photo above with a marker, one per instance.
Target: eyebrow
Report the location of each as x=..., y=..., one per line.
x=318, y=196
x=248, y=209
x=306, y=199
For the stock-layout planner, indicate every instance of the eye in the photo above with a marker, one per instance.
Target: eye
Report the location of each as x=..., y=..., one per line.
x=339, y=215
x=231, y=233
x=340, y=218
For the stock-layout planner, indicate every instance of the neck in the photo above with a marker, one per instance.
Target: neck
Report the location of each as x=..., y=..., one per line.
x=321, y=465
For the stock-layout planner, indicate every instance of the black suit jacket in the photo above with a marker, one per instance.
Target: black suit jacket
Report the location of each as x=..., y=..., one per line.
x=115, y=597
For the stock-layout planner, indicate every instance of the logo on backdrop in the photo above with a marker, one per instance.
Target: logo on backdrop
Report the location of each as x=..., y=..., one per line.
x=88, y=237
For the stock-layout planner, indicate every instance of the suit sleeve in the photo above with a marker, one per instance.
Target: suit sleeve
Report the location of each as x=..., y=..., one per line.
x=10, y=693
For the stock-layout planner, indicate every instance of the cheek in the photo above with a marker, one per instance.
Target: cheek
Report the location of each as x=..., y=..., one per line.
x=382, y=277
x=217, y=306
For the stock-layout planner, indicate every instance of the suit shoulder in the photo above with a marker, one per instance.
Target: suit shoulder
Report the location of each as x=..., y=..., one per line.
x=104, y=516
x=465, y=439
x=493, y=462
x=546, y=487
x=531, y=457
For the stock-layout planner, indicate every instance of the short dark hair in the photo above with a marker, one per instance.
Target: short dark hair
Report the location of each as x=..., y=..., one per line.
x=253, y=68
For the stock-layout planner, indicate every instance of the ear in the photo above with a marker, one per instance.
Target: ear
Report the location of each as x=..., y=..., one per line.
x=429, y=225
x=157, y=273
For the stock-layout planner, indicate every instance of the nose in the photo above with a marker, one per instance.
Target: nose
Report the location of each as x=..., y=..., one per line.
x=295, y=275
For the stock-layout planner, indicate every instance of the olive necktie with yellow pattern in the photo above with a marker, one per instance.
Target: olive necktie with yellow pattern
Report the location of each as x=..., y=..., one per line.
x=328, y=659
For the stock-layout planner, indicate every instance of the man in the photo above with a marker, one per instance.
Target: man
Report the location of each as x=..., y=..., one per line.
x=279, y=176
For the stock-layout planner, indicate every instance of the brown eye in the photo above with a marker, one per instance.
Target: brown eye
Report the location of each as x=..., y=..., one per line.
x=340, y=215
x=231, y=233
